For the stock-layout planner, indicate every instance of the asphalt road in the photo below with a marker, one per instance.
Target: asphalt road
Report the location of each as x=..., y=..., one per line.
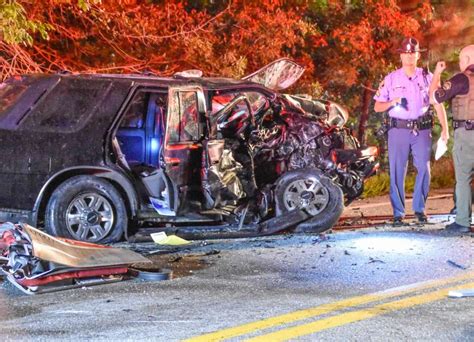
x=372, y=285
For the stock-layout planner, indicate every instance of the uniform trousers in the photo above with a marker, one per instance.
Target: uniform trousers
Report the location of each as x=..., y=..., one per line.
x=463, y=155
x=400, y=142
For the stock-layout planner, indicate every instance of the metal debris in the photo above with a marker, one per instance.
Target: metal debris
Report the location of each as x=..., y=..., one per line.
x=372, y=260
x=152, y=274
x=36, y=262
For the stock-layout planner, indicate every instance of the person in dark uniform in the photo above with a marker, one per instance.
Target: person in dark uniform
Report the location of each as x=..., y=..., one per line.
x=404, y=94
x=460, y=88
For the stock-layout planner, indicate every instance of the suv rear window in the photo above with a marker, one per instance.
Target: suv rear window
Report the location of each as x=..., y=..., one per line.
x=9, y=94
x=68, y=107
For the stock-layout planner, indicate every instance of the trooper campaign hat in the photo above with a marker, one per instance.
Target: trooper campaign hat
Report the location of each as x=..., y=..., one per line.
x=410, y=45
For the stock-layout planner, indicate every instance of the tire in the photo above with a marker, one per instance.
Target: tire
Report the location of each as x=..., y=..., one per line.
x=313, y=192
x=86, y=208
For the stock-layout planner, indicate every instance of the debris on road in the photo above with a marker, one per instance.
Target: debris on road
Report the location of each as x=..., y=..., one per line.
x=36, y=262
x=461, y=293
x=373, y=260
x=169, y=240
x=371, y=221
x=152, y=274
x=455, y=264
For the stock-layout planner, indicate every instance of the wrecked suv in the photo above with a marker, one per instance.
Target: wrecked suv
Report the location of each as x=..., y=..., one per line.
x=94, y=157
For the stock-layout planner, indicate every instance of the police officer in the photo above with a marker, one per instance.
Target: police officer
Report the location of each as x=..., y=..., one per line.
x=404, y=93
x=460, y=88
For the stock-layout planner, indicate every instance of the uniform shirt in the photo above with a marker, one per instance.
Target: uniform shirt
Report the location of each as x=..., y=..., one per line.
x=456, y=85
x=414, y=89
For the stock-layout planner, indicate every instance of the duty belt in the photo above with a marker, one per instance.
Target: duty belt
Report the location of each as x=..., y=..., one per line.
x=467, y=124
x=423, y=122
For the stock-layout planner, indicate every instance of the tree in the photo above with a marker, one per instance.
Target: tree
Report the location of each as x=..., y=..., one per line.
x=346, y=46
x=164, y=37
x=16, y=32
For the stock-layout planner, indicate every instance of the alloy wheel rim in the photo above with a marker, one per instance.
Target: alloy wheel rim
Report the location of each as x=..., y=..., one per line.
x=89, y=217
x=308, y=194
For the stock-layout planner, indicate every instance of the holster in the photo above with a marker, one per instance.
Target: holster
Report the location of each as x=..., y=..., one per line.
x=467, y=124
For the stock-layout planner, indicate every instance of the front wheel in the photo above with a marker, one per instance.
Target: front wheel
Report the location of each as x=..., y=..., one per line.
x=86, y=208
x=314, y=193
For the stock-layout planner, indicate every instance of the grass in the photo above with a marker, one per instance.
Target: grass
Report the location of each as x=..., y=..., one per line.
x=442, y=176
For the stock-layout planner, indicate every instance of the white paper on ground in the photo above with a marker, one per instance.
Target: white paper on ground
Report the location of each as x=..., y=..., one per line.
x=162, y=239
x=441, y=148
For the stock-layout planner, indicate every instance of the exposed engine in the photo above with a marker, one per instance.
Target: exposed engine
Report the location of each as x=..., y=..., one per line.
x=291, y=138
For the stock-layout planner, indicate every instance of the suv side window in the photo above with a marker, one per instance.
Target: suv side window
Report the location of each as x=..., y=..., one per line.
x=185, y=125
x=68, y=107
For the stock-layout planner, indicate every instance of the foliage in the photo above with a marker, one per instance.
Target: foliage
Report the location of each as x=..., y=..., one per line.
x=346, y=46
x=15, y=27
x=377, y=185
x=229, y=39
x=442, y=176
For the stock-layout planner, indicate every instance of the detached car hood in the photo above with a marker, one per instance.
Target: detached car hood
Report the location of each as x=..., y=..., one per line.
x=277, y=75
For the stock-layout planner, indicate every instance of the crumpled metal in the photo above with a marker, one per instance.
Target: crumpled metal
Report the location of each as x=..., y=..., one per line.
x=32, y=259
x=224, y=179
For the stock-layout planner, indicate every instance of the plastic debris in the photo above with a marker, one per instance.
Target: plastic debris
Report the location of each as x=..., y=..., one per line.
x=455, y=264
x=461, y=293
x=172, y=240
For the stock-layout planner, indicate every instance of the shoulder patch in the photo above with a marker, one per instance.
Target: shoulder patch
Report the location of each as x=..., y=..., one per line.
x=440, y=93
x=447, y=85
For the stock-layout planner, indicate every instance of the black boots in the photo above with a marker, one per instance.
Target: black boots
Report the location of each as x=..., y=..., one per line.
x=457, y=228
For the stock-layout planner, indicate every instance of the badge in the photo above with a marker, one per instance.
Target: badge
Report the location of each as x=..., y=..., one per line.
x=447, y=85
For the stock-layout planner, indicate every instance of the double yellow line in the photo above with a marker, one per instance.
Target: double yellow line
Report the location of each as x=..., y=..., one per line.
x=344, y=318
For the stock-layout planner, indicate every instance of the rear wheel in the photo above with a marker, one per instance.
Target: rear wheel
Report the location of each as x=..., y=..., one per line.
x=86, y=208
x=312, y=192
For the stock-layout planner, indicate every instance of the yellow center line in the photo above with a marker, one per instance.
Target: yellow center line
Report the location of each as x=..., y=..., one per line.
x=320, y=310
x=350, y=317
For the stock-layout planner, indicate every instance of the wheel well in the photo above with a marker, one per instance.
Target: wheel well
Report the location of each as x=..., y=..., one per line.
x=56, y=181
